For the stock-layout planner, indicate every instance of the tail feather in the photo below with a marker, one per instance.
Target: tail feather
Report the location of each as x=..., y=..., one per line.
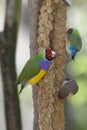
x=22, y=87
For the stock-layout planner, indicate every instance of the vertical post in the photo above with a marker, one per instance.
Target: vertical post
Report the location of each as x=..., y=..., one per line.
x=49, y=109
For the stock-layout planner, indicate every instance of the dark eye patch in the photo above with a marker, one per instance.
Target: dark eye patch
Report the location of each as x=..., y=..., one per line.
x=70, y=31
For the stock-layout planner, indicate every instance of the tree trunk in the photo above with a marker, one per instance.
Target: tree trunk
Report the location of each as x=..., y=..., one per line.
x=7, y=56
x=51, y=26
x=34, y=8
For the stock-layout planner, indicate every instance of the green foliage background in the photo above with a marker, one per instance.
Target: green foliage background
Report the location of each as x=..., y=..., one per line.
x=77, y=18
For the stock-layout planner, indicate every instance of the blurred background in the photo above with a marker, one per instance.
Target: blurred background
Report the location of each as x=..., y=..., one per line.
x=77, y=18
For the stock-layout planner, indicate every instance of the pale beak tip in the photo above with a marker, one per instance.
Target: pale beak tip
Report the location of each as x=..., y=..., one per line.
x=53, y=54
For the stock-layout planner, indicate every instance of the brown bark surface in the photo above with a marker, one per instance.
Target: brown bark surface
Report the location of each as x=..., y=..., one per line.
x=51, y=33
x=34, y=8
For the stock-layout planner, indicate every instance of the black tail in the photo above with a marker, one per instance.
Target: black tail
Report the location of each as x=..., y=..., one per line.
x=22, y=87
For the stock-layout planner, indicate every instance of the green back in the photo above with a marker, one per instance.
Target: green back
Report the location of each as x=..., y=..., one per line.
x=75, y=40
x=31, y=68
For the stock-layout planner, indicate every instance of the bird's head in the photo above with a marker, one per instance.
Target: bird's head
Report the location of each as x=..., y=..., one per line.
x=72, y=30
x=47, y=54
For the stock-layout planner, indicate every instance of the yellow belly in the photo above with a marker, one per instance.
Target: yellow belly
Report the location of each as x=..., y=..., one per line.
x=37, y=78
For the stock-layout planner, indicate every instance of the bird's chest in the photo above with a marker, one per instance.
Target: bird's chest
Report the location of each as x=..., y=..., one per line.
x=44, y=65
x=68, y=49
x=37, y=78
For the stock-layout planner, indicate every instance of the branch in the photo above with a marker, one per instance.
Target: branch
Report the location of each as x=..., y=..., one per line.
x=7, y=57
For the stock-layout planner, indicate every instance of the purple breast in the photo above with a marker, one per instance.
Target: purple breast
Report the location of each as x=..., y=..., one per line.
x=45, y=65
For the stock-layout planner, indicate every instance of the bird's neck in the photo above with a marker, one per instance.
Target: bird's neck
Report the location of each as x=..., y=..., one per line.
x=42, y=54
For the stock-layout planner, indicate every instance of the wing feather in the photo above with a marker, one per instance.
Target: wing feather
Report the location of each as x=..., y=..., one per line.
x=76, y=41
x=31, y=68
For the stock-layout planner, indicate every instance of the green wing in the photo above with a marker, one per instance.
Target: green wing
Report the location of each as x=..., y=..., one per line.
x=76, y=41
x=31, y=68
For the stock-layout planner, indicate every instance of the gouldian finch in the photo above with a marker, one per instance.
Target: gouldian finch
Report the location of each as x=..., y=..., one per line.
x=35, y=68
x=73, y=42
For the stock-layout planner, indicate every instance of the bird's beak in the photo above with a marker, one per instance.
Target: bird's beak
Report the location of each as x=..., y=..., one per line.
x=53, y=54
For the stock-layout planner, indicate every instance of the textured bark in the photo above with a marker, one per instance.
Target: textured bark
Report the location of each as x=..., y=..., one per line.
x=34, y=7
x=51, y=109
x=7, y=59
x=51, y=33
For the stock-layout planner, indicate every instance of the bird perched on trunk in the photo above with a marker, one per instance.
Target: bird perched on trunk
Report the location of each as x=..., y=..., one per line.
x=35, y=68
x=73, y=42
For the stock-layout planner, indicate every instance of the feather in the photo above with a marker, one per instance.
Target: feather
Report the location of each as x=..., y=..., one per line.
x=31, y=68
